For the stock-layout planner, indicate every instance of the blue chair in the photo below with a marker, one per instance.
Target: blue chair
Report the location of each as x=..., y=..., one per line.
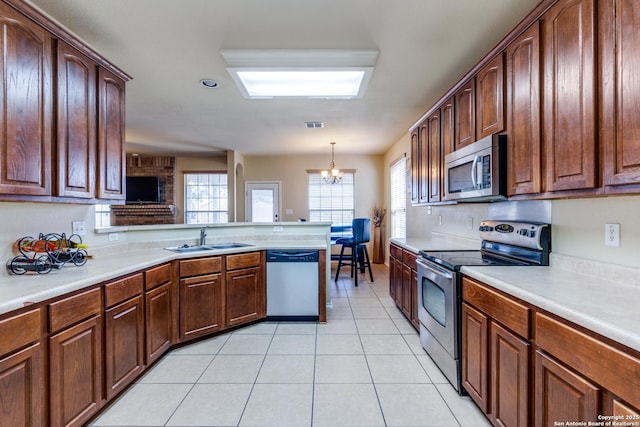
x=361, y=230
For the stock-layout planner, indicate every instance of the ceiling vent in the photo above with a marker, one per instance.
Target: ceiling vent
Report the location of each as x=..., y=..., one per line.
x=314, y=125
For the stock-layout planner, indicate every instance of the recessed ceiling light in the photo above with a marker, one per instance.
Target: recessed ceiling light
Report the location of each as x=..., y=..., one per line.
x=209, y=84
x=310, y=74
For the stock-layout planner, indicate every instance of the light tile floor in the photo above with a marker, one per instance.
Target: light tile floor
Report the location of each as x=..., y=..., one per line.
x=364, y=367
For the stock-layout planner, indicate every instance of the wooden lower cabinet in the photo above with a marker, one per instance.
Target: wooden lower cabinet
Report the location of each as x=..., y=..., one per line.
x=22, y=392
x=200, y=305
x=403, y=283
x=124, y=344
x=75, y=373
x=475, y=368
x=495, y=359
x=509, y=378
x=245, y=296
x=562, y=395
x=158, y=322
x=22, y=388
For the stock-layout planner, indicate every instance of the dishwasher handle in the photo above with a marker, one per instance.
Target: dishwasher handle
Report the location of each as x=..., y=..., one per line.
x=283, y=255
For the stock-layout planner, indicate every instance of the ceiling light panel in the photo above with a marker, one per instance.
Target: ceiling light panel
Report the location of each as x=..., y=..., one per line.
x=310, y=74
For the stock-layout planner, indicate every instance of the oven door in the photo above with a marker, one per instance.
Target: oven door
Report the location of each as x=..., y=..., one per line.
x=437, y=298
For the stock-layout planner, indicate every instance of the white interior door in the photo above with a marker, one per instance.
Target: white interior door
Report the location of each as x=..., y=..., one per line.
x=262, y=201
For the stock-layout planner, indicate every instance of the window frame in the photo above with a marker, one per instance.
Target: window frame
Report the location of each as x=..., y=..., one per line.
x=339, y=214
x=398, y=208
x=213, y=213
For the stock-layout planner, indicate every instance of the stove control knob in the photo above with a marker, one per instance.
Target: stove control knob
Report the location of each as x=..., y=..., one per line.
x=523, y=232
x=532, y=233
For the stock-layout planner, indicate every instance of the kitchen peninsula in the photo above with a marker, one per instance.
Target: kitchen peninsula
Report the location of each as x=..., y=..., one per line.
x=109, y=320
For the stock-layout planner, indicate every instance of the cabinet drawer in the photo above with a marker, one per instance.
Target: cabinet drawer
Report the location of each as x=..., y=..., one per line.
x=602, y=363
x=20, y=330
x=198, y=266
x=157, y=276
x=409, y=258
x=74, y=309
x=511, y=314
x=396, y=252
x=123, y=289
x=252, y=259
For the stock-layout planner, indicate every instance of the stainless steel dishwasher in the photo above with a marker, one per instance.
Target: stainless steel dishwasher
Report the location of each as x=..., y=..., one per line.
x=292, y=284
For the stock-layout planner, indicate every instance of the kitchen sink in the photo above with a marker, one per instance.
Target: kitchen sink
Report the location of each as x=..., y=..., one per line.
x=216, y=246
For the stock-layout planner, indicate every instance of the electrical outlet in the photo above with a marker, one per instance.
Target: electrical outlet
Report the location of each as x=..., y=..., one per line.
x=612, y=234
x=278, y=228
x=429, y=211
x=288, y=211
x=79, y=228
x=113, y=237
x=439, y=219
x=470, y=223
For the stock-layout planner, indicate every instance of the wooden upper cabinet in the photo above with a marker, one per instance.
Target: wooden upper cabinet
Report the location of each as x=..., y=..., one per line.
x=76, y=143
x=423, y=160
x=25, y=105
x=447, y=126
x=111, y=125
x=523, y=113
x=434, y=169
x=465, y=131
x=620, y=53
x=415, y=165
x=569, y=113
x=490, y=98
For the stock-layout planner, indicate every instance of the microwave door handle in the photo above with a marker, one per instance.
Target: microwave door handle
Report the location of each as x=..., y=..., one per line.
x=474, y=171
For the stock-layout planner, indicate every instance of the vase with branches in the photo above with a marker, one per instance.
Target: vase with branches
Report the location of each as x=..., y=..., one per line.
x=377, y=219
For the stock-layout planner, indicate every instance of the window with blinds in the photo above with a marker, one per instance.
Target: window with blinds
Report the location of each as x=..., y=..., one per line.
x=399, y=198
x=333, y=203
x=205, y=198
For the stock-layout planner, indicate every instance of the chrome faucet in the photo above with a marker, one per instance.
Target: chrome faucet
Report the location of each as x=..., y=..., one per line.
x=203, y=235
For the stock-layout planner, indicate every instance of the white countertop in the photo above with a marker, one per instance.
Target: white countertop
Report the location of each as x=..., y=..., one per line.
x=18, y=291
x=435, y=243
x=607, y=307
x=601, y=297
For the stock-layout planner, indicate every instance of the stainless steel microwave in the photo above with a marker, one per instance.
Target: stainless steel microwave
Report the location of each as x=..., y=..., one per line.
x=477, y=172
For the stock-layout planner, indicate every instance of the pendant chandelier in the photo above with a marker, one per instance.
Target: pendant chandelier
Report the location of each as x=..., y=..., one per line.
x=333, y=175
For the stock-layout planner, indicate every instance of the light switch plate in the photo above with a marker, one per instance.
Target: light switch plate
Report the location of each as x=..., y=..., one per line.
x=612, y=234
x=113, y=237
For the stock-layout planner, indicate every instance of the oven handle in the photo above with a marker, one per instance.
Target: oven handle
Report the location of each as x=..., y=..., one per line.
x=435, y=270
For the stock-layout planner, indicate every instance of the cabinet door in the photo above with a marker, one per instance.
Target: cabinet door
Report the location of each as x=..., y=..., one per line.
x=158, y=322
x=465, y=132
x=475, y=368
x=434, y=169
x=111, y=143
x=200, y=306
x=75, y=373
x=406, y=291
x=509, y=366
x=561, y=394
x=447, y=126
x=569, y=95
x=124, y=339
x=490, y=98
x=392, y=284
x=246, y=298
x=523, y=113
x=423, y=160
x=76, y=143
x=620, y=94
x=415, y=319
x=22, y=388
x=25, y=105
x=415, y=166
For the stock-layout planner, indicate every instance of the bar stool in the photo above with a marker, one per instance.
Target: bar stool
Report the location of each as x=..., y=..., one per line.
x=357, y=243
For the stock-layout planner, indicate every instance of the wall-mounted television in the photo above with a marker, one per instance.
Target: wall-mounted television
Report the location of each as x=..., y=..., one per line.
x=143, y=189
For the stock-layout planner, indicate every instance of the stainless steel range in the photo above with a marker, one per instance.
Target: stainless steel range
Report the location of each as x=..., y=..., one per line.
x=439, y=284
